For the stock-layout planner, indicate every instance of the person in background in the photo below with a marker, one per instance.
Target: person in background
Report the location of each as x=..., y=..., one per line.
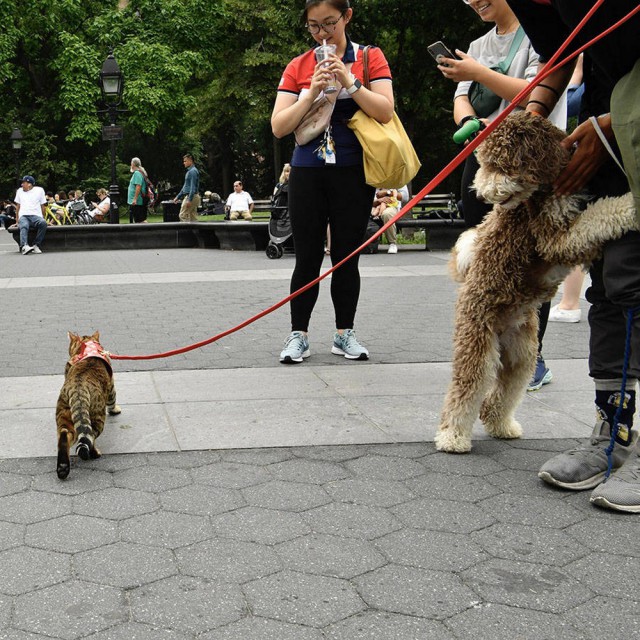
x=137, y=187
x=327, y=182
x=7, y=214
x=101, y=209
x=239, y=203
x=30, y=204
x=191, y=200
x=386, y=204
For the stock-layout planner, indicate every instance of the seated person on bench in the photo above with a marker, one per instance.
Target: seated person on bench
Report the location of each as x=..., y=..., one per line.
x=386, y=203
x=101, y=209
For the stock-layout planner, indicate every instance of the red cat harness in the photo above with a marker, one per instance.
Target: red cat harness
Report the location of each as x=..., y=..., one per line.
x=92, y=349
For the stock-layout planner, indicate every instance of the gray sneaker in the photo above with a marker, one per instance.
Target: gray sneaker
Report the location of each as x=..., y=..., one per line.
x=348, y=346
x=585, y=467
x=296, y=348
x=621, y=491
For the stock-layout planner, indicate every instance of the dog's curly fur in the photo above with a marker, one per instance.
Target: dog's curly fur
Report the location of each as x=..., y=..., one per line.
x=508, y=266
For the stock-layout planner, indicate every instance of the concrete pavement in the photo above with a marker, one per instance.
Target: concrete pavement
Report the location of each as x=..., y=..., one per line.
x=239, y=498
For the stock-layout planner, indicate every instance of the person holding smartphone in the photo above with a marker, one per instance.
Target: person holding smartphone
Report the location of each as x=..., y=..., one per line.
x=505, y=41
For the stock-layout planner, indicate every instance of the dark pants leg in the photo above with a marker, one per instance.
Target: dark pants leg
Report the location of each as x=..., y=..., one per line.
x=339, y=197
x=473, y=210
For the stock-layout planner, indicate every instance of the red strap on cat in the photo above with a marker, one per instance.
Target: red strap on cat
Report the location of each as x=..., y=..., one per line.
x=92, y=349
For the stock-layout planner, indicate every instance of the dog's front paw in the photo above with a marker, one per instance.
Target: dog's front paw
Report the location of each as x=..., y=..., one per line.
x=506, y=431
x=451, y=442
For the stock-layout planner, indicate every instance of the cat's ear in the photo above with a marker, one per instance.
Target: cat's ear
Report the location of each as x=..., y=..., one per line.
x=96, y=336
x=72, y=336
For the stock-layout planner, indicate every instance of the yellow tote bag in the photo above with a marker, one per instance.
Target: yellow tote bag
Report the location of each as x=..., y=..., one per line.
x=389, y=159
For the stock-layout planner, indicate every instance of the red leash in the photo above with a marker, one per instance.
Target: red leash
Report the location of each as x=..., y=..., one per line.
x=549, y=68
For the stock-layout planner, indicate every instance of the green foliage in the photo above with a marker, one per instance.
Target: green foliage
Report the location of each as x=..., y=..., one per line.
x=200, y=76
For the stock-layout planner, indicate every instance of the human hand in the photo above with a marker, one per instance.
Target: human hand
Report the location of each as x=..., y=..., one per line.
x=590, y=154
x=339, y=70
x=459, y=70
x=320, y=79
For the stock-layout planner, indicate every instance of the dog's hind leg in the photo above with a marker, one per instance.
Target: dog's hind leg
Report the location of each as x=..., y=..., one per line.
x=519, y=347
x=474, y=367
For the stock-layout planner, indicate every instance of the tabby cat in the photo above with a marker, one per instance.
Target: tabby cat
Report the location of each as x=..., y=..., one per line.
x=87, y=393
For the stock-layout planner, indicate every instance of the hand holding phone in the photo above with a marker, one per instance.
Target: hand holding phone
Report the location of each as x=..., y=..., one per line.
x=439, y=50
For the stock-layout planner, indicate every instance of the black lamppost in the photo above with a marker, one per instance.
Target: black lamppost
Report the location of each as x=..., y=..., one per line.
x=111, y=85
x=16, y=143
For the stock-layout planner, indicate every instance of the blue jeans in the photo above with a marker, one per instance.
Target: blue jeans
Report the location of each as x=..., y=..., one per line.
x=24, y=224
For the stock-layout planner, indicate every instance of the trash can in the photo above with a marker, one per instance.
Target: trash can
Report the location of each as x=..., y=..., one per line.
x=170, y=211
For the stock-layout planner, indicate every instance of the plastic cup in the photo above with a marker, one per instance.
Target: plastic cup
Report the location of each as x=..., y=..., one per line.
x=322, y=53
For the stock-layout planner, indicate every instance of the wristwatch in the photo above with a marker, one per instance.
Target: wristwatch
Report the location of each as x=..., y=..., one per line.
x=354, y=87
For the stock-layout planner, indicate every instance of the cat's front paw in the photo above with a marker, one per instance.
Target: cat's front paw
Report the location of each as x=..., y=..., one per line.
x=115, y=410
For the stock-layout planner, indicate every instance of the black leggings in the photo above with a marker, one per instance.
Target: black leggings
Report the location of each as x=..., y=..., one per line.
x=337, y=196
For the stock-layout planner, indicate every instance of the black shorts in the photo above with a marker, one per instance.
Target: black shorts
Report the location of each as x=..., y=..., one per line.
x=138, y=212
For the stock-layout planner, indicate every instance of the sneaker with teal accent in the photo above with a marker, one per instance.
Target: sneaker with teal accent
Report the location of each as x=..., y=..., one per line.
x=347, y=345
x=541, y=376
x=296, y=348
x=585, y=467
x=621, y=491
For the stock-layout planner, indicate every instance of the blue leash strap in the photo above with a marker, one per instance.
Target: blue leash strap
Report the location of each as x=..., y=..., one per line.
x=630, y=313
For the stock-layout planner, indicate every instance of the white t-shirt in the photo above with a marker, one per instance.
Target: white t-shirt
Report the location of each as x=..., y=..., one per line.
x=30, y=201
x=491, y=49
x=239, y=201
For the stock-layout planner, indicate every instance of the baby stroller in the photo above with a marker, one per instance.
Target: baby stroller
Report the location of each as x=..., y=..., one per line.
x=279, y=223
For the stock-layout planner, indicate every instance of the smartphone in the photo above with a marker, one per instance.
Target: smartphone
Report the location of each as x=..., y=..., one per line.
x=440, y=50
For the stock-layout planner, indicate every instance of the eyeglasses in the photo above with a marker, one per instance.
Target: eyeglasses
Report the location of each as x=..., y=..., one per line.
x=327, y=27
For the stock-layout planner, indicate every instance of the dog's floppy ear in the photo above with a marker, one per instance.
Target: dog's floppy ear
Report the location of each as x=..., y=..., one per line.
x=525, y=146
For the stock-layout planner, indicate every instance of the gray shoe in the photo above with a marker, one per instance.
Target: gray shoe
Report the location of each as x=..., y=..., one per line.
x=621, y=491
x=347, y=345
x=584, y=467
x=296, y=348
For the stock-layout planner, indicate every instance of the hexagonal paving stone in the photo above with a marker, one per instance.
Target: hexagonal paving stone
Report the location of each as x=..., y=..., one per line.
x=165, y=529
x=254, y=628
x=183, y=459
x=499, y=622
x=430, y=549
x=26, y=466
x=528, y=484
x=115, y=503
x=228, y=560
x=442, y=515
x=120, y=462
x=13, y=483
x=260, y=457
x=380, y=625
x=301, y=599
x=202, y=500
x=192, y=605
x=374, y=493
x=384, y=467
x=11, y=535
x=70, y=534
x=522, y=584
x=329, y=555
x=152, y=479
x=351, y=521
x=309, y=471
x=33, y=506
x=17, y=634
x=5, y=611
x=125, y=565
x=594, y=535
x=230, y=475
x=80, y=480
x=25, y=569
x=288, y=496
x=522, y=459
x=259, y=525
x=471, y=465
x=533, y=544
x=139, y=631
x=606, y=617
x=415, y=592
x=607, y=575
x=445, y=485
x=331, y=453
x=541, y=512
x=71, y=610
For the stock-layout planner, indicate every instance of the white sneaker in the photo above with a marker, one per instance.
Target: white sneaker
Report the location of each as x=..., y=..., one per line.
x=26, y=249
x=393, y=248
x=36, y=249
x=564, y=315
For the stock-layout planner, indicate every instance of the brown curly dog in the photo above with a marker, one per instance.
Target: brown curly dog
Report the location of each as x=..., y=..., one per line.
x=508, y=266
